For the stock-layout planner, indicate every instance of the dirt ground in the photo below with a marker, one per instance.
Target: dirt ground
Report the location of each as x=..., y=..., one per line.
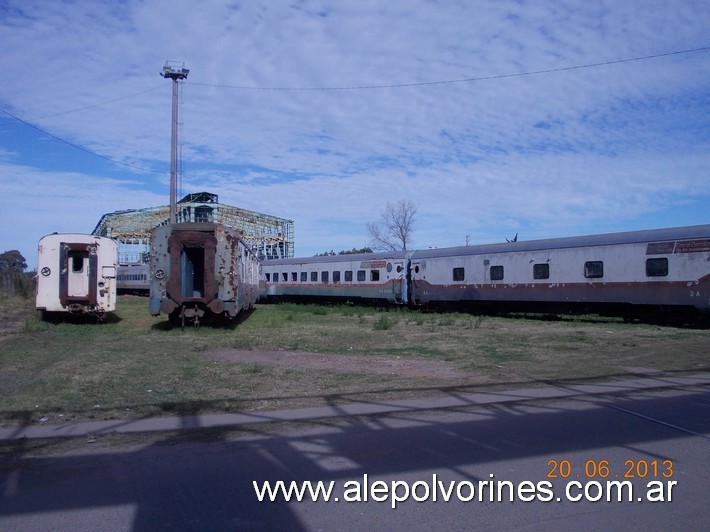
x=341, y=363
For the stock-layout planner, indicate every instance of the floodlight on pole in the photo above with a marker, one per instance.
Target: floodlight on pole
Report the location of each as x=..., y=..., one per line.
x=176, y=71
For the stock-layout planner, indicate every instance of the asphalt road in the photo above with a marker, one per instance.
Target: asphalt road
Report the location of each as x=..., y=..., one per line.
x=658, y=436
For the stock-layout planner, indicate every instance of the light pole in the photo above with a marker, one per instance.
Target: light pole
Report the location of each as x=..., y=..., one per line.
x=176, y=71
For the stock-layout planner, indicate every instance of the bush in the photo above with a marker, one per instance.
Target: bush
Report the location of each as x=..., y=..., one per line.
x=384, y=323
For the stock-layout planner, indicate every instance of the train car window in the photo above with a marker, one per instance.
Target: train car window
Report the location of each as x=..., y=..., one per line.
x=374, y=275
x=276, y=277
x=657, y=267
x=284, y=277
x=541, y=271
x=361, y=275
x=314, y=277
x=304, y=277
x=458, y=274
x=349, y=276
x=323, y=277
x=496, y=273
x=594, y=269
x=294, y=276
x=336, y=276
x=77, y=263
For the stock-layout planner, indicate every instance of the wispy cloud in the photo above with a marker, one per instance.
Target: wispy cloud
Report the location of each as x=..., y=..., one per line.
x=583, y=150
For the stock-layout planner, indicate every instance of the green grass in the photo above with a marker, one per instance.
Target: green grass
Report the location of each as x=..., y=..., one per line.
x=136, y=365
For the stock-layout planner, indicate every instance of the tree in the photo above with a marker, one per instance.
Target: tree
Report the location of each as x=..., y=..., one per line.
x=12, y=261
x=392, y=232
x=344, y=252
x=355, y=251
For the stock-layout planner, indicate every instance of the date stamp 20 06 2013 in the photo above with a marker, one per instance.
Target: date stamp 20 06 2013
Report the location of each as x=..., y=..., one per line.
x=603, y=468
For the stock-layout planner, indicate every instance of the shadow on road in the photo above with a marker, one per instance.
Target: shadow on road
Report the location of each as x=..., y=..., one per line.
x=206, y=483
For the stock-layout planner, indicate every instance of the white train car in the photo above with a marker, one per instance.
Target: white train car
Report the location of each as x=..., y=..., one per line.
x=655, y=274
x=133, y=278
x=76, y=274
x=366, y=277
x=662, y=269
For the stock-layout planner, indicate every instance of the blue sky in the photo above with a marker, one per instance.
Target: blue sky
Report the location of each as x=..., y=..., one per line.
x=527, y=145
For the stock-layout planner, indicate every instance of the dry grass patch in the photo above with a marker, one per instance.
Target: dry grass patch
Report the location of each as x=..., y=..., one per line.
x=304, y=355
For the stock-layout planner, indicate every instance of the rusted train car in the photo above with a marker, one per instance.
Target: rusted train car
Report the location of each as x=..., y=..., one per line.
x=76, y=274
x=201, y=270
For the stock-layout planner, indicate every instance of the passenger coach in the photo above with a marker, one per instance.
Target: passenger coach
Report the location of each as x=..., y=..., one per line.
x=631, y=273
x=664, y=268
x=201, y=270
x=366, y=277
x=133, y=278
x=76, y=274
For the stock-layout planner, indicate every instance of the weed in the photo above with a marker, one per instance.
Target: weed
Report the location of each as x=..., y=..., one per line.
x=254, y=369
x=384, y=323
x=447, y=320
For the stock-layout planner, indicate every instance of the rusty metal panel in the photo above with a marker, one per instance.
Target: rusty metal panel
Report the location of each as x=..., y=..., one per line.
x=181, y=241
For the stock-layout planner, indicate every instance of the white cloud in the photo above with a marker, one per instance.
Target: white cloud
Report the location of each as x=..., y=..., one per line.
x=578, y=150
x=39, y=203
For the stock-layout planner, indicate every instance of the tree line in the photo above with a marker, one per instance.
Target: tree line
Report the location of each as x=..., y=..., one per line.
x=13, y=279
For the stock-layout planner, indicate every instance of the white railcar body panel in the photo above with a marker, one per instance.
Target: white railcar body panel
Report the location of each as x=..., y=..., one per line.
x=76, y=273
x=660, y=268
x=371, y=276
x=664, y=267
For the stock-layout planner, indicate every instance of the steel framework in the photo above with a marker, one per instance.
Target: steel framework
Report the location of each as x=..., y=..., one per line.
x=269, y=236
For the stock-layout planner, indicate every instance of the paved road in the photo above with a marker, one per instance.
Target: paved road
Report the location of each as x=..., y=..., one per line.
x=207, y=483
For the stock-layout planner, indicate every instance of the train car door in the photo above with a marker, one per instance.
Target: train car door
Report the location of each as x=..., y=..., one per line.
x=77, y=274
x=399, y=285
x=77, y=278
x=414, y=266
x=192, y=259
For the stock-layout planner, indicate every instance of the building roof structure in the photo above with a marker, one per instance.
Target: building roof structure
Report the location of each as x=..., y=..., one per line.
x=270, y=236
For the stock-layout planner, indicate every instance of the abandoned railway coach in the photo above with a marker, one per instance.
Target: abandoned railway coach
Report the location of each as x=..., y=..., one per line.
x=660, y=268
x=133, y=277
x=76, y=273
x=201, y=270
x=366, y=277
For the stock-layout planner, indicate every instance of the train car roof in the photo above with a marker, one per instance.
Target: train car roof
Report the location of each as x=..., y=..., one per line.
x=395, y=255
x=630, y=237
x=75, y=236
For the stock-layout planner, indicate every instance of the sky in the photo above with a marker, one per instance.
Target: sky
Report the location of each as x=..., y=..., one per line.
x=541, y=118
